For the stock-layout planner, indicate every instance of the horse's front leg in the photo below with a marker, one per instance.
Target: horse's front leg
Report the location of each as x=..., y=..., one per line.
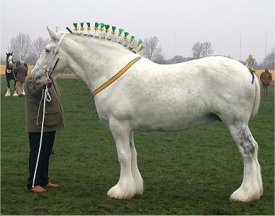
x=8, y=93
x=125, y=188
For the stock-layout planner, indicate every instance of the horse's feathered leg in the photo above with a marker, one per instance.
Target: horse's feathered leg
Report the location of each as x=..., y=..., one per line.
x=251, y=187
x=14, y=85
x=8, y=93
x=125, y=188
x=135, y=171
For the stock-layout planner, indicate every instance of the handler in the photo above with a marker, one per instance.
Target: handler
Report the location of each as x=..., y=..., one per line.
x=34, y=88
x=266, y=79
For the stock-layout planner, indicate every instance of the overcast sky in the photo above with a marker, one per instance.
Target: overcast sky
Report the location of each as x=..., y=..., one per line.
x=177, y=23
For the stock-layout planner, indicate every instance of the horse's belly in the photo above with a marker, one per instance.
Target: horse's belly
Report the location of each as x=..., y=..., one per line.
x=180, y=124
x=161, y=119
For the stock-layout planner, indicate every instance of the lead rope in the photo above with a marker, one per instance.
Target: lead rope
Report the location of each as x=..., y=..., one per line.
x=46, y=97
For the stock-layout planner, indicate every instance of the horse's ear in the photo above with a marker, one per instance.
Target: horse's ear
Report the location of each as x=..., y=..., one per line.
x=11, y=53
x=59, y=30
x=6, y=53
x=52, y=34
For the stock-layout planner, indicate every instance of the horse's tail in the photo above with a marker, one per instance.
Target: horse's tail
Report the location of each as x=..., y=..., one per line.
x=257, y=98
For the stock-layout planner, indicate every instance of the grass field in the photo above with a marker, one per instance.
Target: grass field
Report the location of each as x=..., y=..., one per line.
x=188, y=172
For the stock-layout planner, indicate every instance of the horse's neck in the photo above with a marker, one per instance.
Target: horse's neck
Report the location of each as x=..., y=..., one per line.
x=7, y=63
x=96, y=60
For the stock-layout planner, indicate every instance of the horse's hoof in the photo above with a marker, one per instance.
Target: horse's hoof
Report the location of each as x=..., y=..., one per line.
x=120, y=191
x=242, y=195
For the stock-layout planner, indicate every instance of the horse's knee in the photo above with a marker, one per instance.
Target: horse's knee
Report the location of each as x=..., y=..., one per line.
x=124, y=156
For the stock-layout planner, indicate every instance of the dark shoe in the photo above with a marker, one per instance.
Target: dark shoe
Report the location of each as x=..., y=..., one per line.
x=51, y=185
x=37, y=189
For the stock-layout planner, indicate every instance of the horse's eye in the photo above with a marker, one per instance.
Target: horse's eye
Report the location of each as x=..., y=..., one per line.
x=46, y=50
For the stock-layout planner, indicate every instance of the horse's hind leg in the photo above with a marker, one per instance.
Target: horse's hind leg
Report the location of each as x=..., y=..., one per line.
x=15, y=91
x=251, y=187
x=125, y=188
x=135, y=171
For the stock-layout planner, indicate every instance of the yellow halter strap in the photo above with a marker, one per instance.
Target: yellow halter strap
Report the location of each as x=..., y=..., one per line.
x=115, y=77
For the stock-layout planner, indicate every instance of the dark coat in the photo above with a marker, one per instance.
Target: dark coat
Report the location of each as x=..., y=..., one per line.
x=53, y=114
x=266, y=78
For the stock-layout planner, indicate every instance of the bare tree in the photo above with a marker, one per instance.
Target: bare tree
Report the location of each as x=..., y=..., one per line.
x=268, y=61
x=151, y=48
x=207, y=49
x=201, y=50
x=197, y=50
x=20, y=45
x=160, y=59
x=37, y=47
x=176, y=59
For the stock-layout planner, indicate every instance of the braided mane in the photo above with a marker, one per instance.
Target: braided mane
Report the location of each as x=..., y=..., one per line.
x=101, y=30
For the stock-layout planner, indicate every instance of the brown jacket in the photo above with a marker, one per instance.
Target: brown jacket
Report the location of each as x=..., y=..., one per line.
x=266, y=77
x=21, y=71
x=53, y=114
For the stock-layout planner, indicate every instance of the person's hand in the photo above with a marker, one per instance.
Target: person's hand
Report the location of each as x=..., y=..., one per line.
x=47, y=81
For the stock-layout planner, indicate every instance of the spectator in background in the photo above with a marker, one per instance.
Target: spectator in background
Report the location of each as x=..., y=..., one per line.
x=266, y=79
x=21, y=73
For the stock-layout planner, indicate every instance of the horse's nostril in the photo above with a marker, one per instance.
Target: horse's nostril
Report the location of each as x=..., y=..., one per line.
x=37, y=74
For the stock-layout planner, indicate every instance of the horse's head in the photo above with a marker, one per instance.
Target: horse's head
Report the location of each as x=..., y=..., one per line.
x=53, y=59
x=9, y=59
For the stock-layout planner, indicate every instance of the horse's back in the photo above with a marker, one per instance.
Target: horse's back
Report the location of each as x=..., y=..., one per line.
x=200, y=78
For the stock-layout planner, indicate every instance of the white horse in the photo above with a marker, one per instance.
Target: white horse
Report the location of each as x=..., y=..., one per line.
x=153, y=97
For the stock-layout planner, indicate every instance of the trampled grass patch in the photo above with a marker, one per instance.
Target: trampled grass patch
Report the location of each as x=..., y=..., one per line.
x=188, y=172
